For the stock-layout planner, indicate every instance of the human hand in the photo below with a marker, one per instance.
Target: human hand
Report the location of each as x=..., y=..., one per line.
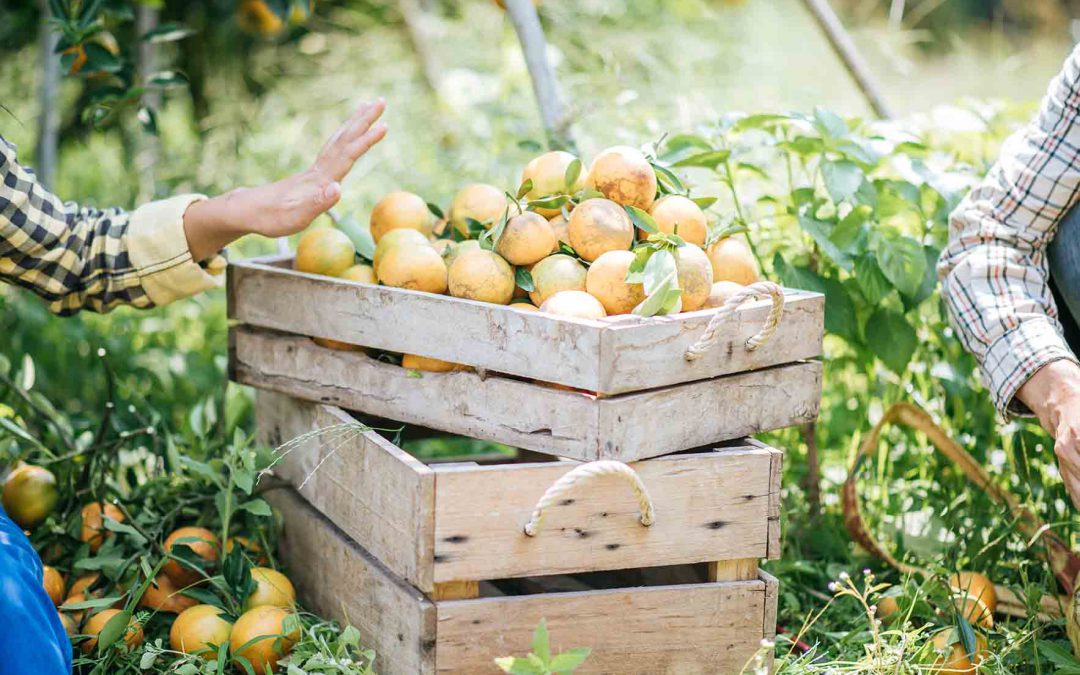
x=1053, y=394
x=289, y=205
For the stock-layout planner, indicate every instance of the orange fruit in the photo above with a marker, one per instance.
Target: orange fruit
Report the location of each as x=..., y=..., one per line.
x=82, y=583
x=418, y=268
x=272, y=589
x=202, y=543
x=597, y=226
x=93, y=523
x=393, y=239
x=975, y=597
x=528, y=306
x=74, y=599
x=29, y=495
x=162, y=595
x=481, y=202
x=401, y=210
x=695, y=276
x=482, y=275
x=362, y=273
x=264, y=628
x=732, y=260
x=256, y=18
x=574, y=303
x=560, y=227
x=326, y=251
x=252, y=548
x=430, y=365
x=606, y=281
x=720, y=292
x=70, y=627
x=675, y=214
x=555, y=273
x=133, y=636
x=443, y=246
x=548, y=175
x=53, y=582
x=526, y=239
x=459, y=248
x=199, y=628
x=955, y=658
x=624, y=175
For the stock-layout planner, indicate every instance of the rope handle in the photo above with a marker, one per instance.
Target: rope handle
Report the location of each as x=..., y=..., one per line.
x=582, y=474
x=711, y=337
x=1063, y=561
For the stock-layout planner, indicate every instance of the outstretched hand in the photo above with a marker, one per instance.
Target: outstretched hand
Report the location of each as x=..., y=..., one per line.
x=289, y=205
x=1053, y=394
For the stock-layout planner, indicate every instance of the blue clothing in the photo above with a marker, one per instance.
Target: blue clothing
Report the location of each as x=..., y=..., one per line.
x=1063, y=258
x=33, y=641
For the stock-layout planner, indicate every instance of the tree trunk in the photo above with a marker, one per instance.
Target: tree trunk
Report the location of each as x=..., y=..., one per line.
x=48, y=141
x=526, y=23
x=148, y=149
x=812, y=481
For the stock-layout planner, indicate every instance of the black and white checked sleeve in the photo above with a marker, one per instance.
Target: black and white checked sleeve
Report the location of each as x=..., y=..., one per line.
x=78, y=257
x=994, y=270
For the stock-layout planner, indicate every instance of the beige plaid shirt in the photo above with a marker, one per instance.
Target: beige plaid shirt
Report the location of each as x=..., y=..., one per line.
x=79, y=257
x=994, y=269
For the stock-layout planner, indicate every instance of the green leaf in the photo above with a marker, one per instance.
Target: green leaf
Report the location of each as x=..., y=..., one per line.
x=541, y=644
x=829, y=124
x=114, y=526
x=436, y=211
x=851, y=234
x=257, y=507
x=797, y=277
x=871, y=281
x=113, y=630
x=93, y=603
x=167, y=32
x=859, y=151
x=569, y=660
x=1058, y=653
x=668, y=181
x=573, y=172
x=27, y=374
x=929, y=281
x=549, y=202
x=842, y=179
x=761, y=121
x=967, y=636
x=821, y=231
x=840, y=318
x=891, y=338
x=642, y=220
x=523, y=279
x=661, y=281
x=167, y=78
x=525, y=188
x=704, y=202
x=635, y=274
x=709, y=160
x=517, y=666
x=902, y=260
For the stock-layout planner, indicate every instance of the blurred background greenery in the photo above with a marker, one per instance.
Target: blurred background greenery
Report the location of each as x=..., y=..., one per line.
x=258, y=107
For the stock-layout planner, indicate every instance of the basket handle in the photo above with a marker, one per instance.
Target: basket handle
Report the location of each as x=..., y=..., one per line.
x=581, y=474
x=711, y=337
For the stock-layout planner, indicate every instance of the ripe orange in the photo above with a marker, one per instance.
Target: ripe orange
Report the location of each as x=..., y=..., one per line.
x=443, y=246
x=574, y=303
x=548, y=175
x=199, y=628
x=887, y=607
x=53, y=582
x=393, y=239
x=79, y=586
x=133, y=637
x=975, y=597
x=606, y=281
x=482, y=275
x=624, y=176
x=560, y=227
x=93, y=523
x=459, y=248
x=70, y=627
x=732, y=260
x=74, y=599
x=675, y=214
x=555, y=273
x=419, y=268
x=362, y=273
x=326, y=251
x=599, y=225
x=430, y=365
x=720, y=292
x=272, y=589
x=202, y=543
x=526, y=239
x=264, y=628
x=401, y=210
x=481, y=202
x=29, y=495
x=695, y=276
x=162, y=595
x=528, y=306
x=955, y=659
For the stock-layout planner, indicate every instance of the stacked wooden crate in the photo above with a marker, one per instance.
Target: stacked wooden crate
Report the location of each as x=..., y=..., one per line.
x=445, y=565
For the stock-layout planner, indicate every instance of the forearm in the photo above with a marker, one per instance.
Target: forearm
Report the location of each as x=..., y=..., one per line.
x=213, y=224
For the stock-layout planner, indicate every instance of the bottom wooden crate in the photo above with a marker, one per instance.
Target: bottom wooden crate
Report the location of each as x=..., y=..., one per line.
x=651, y=621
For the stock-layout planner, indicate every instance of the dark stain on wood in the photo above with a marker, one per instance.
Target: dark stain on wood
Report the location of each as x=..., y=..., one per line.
x=566, y=502
x=456, y=539
x=613, y=547
x=716, y=524
x=582, y=533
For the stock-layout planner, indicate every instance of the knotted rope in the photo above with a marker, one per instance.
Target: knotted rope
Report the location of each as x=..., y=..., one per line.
x=711, y=337
x=582, y=474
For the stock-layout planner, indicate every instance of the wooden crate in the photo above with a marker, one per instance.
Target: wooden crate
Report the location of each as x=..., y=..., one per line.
x=440, y=525
x=612, y=356
x=528, y=415
x=678, y=628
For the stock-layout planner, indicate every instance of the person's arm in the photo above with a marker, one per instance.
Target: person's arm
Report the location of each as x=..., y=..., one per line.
x=77, y=257
x=994, y=270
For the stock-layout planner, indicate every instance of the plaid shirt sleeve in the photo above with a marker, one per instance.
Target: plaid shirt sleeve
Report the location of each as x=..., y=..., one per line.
x=81, y=257
x=994, y=270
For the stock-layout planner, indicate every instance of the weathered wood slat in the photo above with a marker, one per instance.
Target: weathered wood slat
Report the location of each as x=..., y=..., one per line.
x=609, y=356
x=340, y=580
x=529, y=415
x=380, y=495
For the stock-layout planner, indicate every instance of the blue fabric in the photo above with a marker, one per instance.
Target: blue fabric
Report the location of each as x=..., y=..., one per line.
x=33, y=641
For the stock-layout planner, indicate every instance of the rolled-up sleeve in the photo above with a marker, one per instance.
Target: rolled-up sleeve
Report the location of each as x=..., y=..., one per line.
x=78, y=257
x=994, y=272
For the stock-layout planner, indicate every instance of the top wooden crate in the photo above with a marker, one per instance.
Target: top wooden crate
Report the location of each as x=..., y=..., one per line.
x=609, y=356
